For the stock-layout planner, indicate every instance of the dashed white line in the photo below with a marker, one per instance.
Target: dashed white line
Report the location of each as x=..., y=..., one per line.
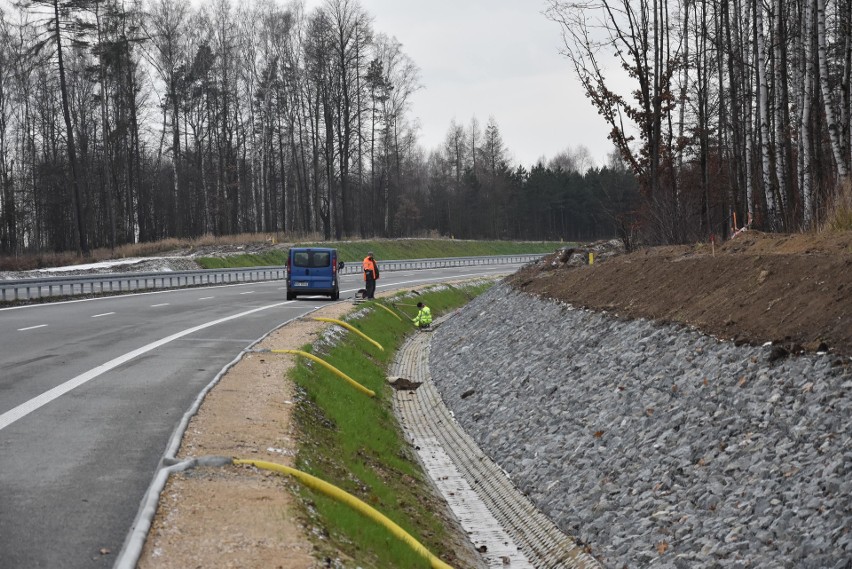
x=247, y=292
x=104, y=314
x=32, y=327
x=206, y=297
x=39, y=401
x=156, y=305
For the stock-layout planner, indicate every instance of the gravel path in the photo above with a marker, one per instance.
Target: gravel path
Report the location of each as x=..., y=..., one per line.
x=654, y=444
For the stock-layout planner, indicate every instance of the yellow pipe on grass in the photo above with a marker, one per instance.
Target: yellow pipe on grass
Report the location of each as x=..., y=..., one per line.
x=388, y=309
x=329, y=367
x=351, y=328
x=348, y=499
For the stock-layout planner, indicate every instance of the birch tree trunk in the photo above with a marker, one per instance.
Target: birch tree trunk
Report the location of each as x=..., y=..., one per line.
x=805, y=124
x=782, y=114
x=763, y=116
x=830, y=116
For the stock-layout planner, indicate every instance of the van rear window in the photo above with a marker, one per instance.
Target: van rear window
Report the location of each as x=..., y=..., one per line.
x=312, y=259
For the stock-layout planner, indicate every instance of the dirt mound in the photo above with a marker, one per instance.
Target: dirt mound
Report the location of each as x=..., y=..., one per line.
x=795, y=290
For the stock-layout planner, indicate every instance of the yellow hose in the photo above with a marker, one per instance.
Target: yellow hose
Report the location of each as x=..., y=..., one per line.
x=329, y=367
x=350, y=328
x=348, y=499
x=388, y=309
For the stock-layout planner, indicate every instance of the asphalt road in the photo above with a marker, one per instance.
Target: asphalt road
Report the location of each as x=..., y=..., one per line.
x=92, y=390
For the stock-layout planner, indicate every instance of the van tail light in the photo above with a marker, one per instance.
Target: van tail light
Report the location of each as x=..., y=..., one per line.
x=334, y=267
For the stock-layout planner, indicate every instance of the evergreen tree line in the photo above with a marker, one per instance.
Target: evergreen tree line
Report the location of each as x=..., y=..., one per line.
x=128, y=121
x=730, y=110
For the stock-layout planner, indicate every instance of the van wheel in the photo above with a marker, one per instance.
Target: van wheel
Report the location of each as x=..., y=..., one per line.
x=335, y=295
x=291, y=296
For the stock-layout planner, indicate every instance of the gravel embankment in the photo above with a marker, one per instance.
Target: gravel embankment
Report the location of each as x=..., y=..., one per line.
x=654, y=444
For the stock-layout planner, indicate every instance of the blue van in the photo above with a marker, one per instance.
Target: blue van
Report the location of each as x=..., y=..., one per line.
x=313, y=270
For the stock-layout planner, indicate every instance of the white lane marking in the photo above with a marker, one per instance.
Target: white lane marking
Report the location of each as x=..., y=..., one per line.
x=161, y=304
x=39, y=401
x=248, y=292
x=206, y=297
x=32, y=327
x=104, y=314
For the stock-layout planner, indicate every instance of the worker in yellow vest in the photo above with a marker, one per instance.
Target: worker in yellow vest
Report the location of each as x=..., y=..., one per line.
x=424, y=316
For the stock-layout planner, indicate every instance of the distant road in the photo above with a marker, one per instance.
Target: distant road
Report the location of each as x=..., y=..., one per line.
x=92, y=390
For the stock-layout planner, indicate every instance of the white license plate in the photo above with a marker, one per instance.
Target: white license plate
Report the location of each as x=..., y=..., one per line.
x=300, y=283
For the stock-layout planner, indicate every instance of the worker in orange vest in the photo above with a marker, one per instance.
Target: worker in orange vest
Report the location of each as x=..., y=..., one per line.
x=371, y=274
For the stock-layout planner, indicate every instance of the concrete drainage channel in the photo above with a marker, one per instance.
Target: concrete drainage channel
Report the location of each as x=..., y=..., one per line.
x=502, y=523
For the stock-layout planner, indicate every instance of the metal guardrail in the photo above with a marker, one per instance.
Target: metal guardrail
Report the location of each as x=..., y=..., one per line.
x=107, y=283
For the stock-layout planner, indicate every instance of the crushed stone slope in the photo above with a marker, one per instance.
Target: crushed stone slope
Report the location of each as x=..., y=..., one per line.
x=655, y=442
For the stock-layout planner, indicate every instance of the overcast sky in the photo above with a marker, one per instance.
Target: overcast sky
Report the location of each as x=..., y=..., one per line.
x=495, y=58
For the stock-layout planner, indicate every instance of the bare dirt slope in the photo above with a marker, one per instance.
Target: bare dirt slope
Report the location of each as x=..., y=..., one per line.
x=792, y=289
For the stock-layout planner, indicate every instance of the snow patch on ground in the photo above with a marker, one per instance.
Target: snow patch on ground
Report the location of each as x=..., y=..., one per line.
x=127, y=265
x=100, y=265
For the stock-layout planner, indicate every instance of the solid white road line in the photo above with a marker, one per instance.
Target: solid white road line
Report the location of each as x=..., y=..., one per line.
x=32, y=327
x=39, y=401
x=104, y=314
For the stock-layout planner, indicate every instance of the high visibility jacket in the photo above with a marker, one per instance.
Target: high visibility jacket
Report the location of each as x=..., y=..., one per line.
x=423, y=317
x=370, y=265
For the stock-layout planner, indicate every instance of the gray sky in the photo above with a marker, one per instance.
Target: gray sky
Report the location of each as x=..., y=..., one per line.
x=495, y=58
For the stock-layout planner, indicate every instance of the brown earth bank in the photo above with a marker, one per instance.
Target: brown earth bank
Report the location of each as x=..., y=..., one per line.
x=793, y=290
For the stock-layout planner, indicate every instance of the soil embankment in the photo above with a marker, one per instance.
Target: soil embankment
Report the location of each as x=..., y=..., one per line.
x=795, y=290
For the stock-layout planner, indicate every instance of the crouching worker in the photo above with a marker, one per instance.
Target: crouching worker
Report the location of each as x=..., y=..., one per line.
x=424, y=316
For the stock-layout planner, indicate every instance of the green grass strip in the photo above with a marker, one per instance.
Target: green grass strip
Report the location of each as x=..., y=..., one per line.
x=396, y=249
x=355, y=442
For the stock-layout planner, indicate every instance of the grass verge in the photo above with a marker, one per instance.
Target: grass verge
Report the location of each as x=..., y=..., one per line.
x=354, y=442
x=396, y=249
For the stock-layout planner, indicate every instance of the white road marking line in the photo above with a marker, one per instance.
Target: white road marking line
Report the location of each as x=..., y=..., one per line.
x=248, y=292
x=104, y=314
x=32, y=327
x=156, y=305
x=206, y=297
x=39, y=401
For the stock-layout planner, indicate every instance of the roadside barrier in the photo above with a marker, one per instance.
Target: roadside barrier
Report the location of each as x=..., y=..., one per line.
x=117, y=283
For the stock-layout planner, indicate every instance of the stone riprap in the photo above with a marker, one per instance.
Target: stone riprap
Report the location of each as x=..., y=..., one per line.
x=655, y=444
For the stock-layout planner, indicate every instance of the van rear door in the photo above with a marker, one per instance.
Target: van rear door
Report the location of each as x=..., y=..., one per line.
x=311, y=269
